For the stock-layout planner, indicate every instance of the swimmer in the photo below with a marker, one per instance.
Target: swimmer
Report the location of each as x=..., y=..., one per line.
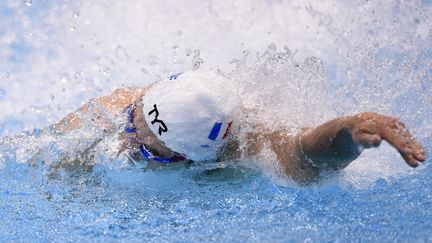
x=195, y=116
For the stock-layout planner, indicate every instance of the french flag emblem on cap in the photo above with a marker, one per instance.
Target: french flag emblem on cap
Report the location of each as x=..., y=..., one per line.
x=220, y=131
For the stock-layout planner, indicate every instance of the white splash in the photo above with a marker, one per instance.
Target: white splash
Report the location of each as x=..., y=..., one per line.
x=365, y=55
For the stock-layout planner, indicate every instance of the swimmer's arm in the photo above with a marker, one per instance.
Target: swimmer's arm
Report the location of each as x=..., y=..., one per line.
x=113, y=104
x=340, y=141
x=333, y=144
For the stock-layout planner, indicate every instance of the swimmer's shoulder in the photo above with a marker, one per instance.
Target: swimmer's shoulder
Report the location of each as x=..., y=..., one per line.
x=121, y=98
x=129, y=94
x=114, y=103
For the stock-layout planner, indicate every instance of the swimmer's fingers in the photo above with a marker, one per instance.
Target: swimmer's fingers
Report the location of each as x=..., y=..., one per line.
x=399, y=137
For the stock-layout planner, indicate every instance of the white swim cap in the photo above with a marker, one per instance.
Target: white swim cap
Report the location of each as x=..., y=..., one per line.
x=192, y=113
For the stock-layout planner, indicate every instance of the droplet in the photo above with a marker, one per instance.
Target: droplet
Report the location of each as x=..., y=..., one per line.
x=178, y=34
x=380, y=183
x=28, y=3
x=76, y=15
x=7, y=75
x=188, y=52
x=152, y=60
x=78, y=75
x=121, y=53
x=106, y=70
x=196, y=60
x=2, y=93
x=37, y=132
x=272, y=48
x=73, y=28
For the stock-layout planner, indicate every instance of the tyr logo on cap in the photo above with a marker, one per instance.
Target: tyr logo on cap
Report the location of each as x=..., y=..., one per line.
x=162, y=126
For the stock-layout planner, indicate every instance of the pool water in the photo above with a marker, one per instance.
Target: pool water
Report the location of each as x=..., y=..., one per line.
x=341, y=57
x=196, y=204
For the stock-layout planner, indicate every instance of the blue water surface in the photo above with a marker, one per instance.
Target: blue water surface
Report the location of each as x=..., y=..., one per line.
x=195, y=204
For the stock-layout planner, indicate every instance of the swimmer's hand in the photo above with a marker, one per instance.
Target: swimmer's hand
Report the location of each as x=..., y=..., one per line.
x=368, y=129
x=340, y=141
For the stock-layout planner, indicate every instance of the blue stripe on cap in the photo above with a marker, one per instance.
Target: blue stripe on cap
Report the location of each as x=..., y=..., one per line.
x=161, y=160
x=129, y=129
x=130, y=111
x=215, y=131
x=174, y=76
x=148, y=155
x=144, y=152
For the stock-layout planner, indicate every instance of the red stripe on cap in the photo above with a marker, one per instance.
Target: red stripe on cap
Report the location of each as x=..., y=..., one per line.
x=227, y=131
